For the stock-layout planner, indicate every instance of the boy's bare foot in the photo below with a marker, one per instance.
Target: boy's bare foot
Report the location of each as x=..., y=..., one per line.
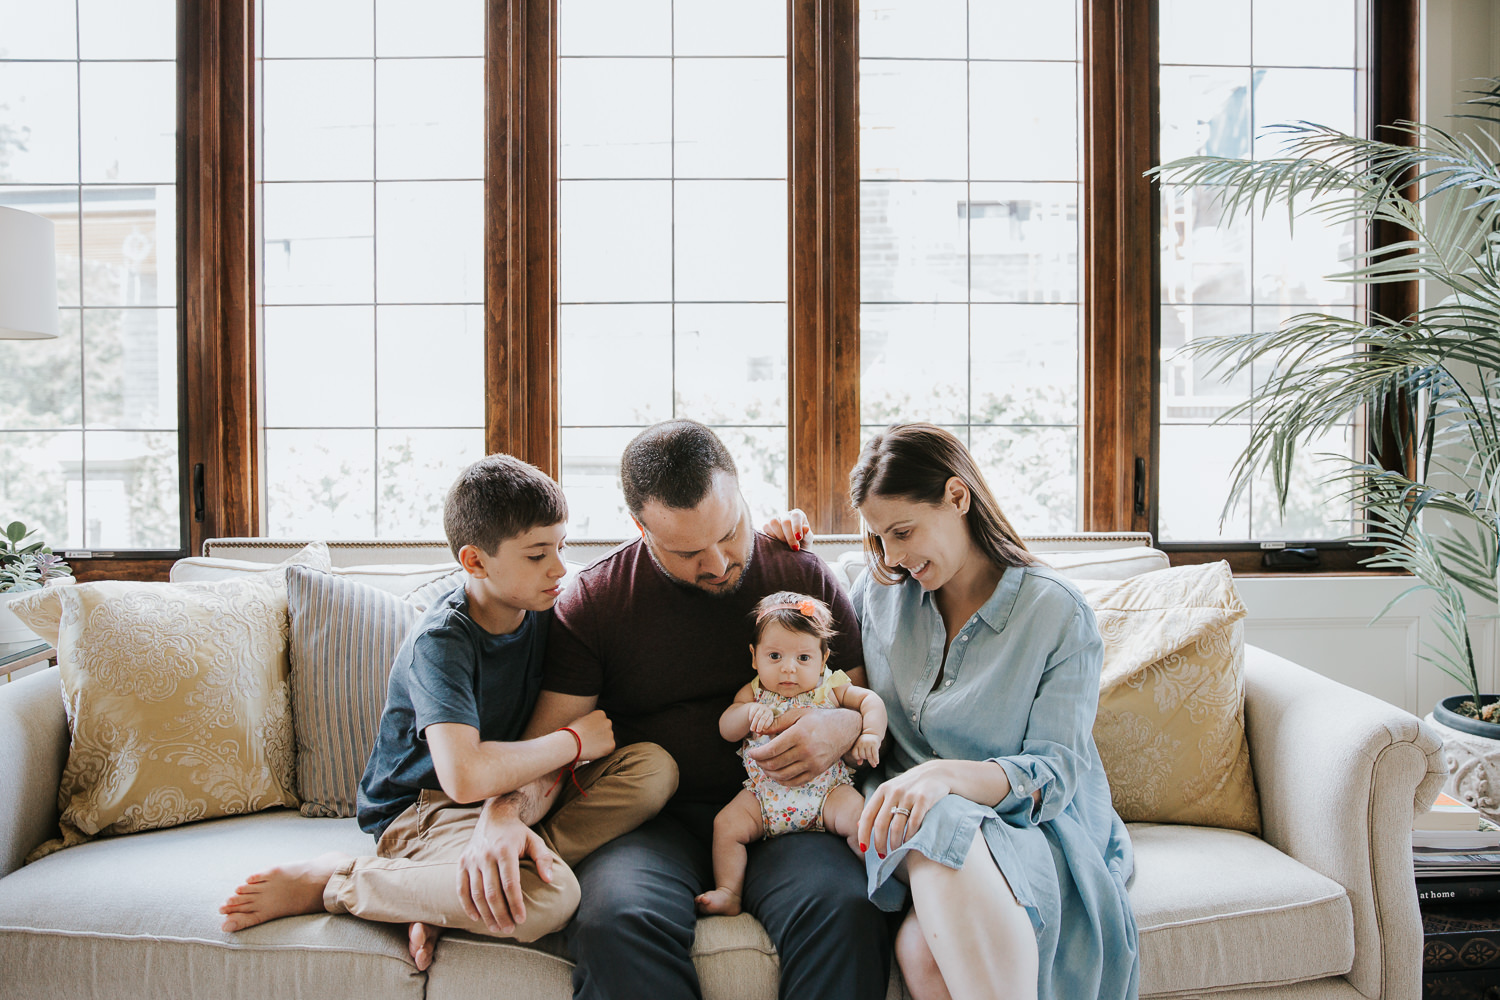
x=283, y=891
x=718, y=901
x=422, y=939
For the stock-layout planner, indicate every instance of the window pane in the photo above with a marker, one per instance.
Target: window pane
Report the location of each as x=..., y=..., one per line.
x=614, y=117
x=432, y=28
x=327, y=139
x=38, y=31
x=39, y=123
x=600, y=342
x=370, y=410
x=970, y=239
x=1224, y=276
x=672, y=265
x=89, y=434
x=129, y=368
x=129, y=122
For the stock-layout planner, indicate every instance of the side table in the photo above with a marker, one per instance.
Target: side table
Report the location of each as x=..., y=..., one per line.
x=16, y=655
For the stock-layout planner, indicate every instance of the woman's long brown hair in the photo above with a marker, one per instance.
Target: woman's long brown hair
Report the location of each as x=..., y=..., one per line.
x=914, y=462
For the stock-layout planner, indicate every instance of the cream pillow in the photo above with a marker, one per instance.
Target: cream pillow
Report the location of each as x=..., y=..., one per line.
x=1171, y=723
x=177, y=699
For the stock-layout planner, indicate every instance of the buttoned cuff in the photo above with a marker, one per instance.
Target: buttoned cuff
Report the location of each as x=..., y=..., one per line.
x=1018, y=803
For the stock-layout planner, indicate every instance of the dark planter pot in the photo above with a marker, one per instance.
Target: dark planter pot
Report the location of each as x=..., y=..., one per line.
x=1444, y=713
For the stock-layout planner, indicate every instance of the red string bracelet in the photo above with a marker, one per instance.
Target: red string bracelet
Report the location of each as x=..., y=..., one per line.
x=576, y=758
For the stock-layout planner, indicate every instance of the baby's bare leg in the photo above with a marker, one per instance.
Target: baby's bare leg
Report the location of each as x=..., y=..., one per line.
x=841, y=811
x=737, y=824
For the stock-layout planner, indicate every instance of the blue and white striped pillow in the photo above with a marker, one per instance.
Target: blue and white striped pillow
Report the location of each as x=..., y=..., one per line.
x=344, y=638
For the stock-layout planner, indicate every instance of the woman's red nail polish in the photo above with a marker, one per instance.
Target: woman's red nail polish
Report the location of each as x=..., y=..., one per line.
x=863, y=848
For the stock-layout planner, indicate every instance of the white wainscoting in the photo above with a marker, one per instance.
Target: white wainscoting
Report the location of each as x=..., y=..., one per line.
x=1324, y=623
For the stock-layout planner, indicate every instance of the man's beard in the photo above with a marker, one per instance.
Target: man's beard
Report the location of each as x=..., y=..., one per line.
x=723, y=591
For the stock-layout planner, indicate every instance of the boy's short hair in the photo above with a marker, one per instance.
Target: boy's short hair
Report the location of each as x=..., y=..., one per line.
x=795, y=613
x=673, y=463
x=499, y=497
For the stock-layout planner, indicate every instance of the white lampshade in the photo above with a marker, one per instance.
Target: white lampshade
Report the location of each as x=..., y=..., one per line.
x=28, y=276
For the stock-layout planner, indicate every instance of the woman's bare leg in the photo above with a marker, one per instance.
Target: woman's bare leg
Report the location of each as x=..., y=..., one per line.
x=918, y=967
x=980, y=937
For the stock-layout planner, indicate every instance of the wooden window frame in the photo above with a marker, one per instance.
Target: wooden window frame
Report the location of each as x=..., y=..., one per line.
x=1120, y=341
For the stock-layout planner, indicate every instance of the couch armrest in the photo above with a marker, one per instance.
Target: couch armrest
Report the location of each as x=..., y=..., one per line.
x=33, y=750
x=1341, y=775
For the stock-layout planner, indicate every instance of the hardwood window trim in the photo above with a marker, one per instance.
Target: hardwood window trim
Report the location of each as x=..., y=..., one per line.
x=1121, y=335
x=823, y=433
x=520, y=227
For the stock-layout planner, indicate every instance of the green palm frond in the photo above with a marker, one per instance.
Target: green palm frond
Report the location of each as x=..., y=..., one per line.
x=1430, y=379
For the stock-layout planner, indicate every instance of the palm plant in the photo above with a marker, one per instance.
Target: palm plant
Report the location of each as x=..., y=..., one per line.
x=1430, y=381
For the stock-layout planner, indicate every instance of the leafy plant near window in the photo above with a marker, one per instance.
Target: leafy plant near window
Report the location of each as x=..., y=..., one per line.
x=1429, y=383
x=27, y=566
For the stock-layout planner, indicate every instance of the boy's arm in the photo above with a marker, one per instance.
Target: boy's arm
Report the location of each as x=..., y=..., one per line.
x=734, y=724
x=470, y=769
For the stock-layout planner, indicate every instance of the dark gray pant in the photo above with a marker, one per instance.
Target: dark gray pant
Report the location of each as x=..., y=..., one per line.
x=634, y=928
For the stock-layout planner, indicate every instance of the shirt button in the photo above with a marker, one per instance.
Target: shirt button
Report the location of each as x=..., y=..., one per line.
x=964, y=638
x=947, y=683
x=914, y=716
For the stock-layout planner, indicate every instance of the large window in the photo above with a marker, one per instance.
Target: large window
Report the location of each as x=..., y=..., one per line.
x=370, y=168
x=1229, y=71
x=90, y=450
x=970, y=232
x=672, y=238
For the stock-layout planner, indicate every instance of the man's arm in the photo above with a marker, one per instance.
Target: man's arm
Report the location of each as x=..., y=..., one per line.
x=809, y=745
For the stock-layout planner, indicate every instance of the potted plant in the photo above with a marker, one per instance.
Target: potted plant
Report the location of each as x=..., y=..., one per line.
x=25, y=565
x=1430, y=381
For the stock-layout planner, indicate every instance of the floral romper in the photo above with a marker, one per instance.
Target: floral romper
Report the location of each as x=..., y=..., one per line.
x=794, y=810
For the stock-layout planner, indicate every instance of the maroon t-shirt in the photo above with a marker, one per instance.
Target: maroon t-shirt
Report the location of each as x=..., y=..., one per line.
x=665, y=659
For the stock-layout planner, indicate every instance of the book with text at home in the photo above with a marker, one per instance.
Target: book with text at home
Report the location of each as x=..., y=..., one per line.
x=1447, y=888
x=1460, y=937
x=1451, y=824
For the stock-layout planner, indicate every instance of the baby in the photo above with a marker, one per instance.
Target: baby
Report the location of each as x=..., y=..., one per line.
x=789, y=651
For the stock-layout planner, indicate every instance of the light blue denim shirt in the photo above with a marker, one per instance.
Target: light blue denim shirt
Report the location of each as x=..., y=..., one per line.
x=1020, y=686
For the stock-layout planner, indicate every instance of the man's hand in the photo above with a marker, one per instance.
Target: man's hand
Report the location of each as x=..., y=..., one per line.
x=489, y=870
x=808, y=746
x=596, y=734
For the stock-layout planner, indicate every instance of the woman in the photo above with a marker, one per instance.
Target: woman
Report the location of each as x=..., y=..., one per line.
x=996, y=812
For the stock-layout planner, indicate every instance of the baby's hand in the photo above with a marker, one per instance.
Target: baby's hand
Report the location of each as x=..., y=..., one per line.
x=761, y=719
x=867, y=749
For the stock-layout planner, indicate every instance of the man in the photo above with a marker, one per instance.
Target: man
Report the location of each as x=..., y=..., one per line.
x=656, y=634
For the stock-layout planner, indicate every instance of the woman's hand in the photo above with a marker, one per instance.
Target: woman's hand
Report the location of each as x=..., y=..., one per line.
x=895, y=811
x=867, y=751
x=761, y=719
x=791, y=528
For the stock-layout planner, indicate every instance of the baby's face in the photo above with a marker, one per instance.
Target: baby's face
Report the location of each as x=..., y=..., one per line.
x=788, y=662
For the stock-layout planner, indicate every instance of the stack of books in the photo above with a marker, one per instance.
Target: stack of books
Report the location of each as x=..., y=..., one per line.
x=1456, y=854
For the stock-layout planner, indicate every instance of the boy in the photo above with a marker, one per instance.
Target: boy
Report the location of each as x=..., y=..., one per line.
x=461, y=690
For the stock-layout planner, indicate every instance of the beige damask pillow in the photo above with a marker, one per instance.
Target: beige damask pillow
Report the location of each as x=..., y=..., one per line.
x=177, y=699
x=1171, y=723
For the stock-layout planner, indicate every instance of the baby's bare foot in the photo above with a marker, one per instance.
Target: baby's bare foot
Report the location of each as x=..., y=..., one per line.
x=283, y=891
x=422, y=939
x=719, y=901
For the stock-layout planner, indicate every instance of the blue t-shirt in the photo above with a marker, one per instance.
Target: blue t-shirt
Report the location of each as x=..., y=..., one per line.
x=448, y=670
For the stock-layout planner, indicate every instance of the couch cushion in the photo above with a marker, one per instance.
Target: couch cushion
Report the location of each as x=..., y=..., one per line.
x=1171, y=722
x=344, y=637
x=1105, y=564
x=1219, y=909
x=137, y=916
x=178, y=703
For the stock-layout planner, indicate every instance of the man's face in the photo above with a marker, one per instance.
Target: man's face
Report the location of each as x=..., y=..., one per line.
x=708, y=546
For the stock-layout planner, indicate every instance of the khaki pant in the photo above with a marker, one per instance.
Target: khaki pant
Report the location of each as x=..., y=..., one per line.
x=415, y=873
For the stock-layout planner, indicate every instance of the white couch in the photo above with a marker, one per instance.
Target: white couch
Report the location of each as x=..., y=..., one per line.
x=1323, y=905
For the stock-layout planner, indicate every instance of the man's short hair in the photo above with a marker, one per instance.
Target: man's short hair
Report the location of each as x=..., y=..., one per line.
x=673, y=463
x=499, y=497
